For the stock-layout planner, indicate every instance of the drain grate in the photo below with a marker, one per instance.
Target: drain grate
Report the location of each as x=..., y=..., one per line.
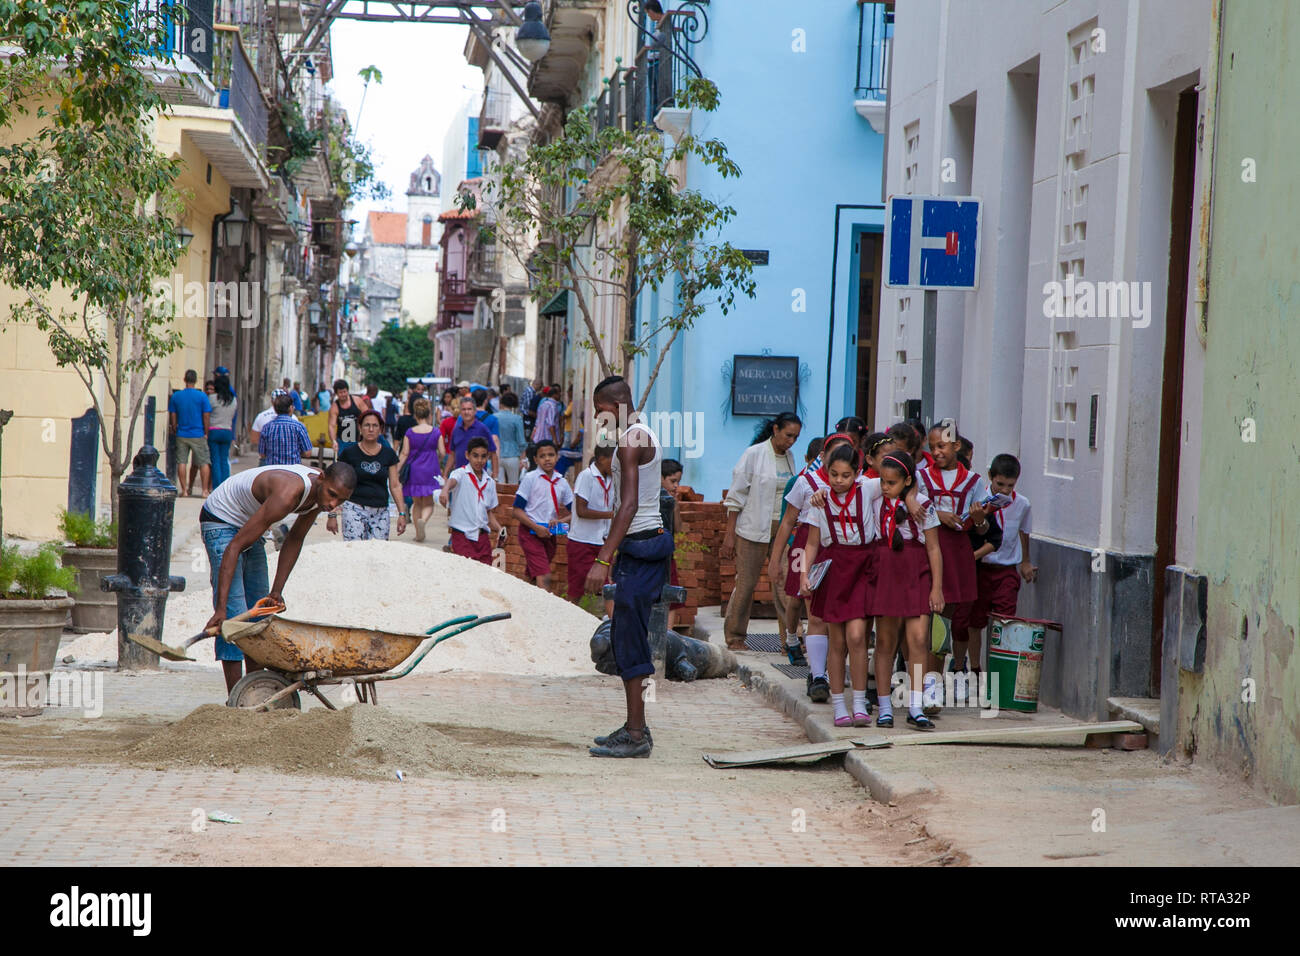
x=797, y=671
x=768, y=643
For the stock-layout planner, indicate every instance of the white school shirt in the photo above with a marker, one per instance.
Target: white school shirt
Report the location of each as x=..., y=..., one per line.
x=469, y=512
x=588, y=486
x=979, y=488
x=859, y=502
x=1013, y=519
x=538, y=505
x=905, y=526
x=805, y=486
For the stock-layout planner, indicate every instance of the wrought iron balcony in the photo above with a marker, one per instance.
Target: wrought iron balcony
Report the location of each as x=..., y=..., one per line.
x=663, y=60
x=236, y=81
x=871, y=84
x=493, y=118
x=180, y=47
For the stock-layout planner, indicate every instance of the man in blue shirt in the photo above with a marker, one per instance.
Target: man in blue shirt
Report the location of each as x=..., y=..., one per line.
x=293, y=396
x=189, y=411
x=511, y=431
x=484, y=415
x=468, y=426
x=283, y=440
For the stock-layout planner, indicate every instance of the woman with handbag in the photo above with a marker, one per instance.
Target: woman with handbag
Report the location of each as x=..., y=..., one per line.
x=418, y=469
x=365, y=514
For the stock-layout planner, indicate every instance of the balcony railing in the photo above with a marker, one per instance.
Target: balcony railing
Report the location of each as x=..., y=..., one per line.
x=493, y=118
x=663, y=60
x=178, y=28
x=875, y=33
x=235, y=78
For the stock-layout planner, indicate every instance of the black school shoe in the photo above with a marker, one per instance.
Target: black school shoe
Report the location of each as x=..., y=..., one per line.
x=920, y=723
x=819, y=689
x=621, y=734
x=624, y=746
x=795, y=655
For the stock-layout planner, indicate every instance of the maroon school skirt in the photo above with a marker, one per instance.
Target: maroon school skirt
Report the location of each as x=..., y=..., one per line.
x=842, y=595
x=480, y=550
x=794, y=560
x=959, y=582
x=902, y=581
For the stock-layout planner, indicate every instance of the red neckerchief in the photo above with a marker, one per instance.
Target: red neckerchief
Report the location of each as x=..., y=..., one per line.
x=929, y=459
x=604, y=487
x=474, y=481
x=871, y=472
x=555, y=499
x=843, y=507
x=887, y=520
x=998, y=513
x=935, y=476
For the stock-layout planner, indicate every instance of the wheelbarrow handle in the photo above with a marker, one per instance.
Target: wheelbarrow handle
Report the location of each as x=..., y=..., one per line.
x=262, y=608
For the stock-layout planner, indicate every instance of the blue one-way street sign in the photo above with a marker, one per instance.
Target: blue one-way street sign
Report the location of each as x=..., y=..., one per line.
x=932, y=242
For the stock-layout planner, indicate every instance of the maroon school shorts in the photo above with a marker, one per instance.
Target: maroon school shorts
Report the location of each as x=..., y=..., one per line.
x=581, y=557
x=999, y=586
x=539, y=552
x=480, y=550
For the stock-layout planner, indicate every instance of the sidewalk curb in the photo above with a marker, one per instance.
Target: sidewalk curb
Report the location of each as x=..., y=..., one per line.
x=884, y=787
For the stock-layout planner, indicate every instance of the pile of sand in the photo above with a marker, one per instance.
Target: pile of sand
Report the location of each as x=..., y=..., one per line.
x=406, y=588
x=357, y=741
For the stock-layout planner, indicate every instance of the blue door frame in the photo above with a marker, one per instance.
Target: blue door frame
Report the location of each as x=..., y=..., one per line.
x=851, y=316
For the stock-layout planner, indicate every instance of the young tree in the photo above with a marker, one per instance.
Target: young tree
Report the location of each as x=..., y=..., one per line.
x=397, y=352
x=551, y=194
x=88, y=205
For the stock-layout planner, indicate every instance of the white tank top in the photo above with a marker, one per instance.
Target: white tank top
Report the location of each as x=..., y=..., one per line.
x=648, y=481
x=233, y=500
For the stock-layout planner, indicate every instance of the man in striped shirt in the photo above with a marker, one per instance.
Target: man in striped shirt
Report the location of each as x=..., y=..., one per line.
x=284, y=439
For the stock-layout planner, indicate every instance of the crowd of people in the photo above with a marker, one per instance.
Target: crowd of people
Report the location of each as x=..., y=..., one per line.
x=875, y=534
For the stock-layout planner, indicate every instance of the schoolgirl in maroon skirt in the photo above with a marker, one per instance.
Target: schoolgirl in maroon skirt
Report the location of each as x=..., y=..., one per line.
x=955, y=491
x=841, y=531
x=907, y=585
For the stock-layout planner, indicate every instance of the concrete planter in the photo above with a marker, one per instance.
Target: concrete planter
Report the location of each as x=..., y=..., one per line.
x=29, y=643
x=95, y=610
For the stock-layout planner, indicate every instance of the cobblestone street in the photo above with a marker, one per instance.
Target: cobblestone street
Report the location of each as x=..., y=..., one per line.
x=559, y=806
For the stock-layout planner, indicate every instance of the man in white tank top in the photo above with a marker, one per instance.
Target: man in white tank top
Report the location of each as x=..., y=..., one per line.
x=232, y=522
x=644, y=548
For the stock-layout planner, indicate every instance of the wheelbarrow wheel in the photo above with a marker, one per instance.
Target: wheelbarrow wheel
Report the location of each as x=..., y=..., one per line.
x=256, y=687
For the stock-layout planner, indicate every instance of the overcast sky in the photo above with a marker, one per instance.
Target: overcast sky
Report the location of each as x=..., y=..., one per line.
x=426, y=79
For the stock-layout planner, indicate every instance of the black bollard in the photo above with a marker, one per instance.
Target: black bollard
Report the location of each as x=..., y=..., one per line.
x=146, y=505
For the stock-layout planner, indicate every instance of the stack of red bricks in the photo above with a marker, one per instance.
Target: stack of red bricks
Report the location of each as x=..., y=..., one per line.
x=516, y=563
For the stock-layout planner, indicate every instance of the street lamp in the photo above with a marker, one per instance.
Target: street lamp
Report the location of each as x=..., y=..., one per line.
x=183, y=238
x=351, y=249
x=313, y=313
x=532, y=40
x=232, y=226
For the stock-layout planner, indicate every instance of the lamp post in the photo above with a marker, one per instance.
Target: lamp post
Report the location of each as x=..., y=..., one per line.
x=532, y=40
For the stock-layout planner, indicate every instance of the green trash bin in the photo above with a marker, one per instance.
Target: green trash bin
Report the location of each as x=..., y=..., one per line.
x=1016, y=661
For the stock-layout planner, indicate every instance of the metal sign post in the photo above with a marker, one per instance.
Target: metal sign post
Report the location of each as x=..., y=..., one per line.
x=931, y=243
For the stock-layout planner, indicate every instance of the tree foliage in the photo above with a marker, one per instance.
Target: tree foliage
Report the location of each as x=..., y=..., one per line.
x=397, y=352
x=88, y=205
x=545, y=202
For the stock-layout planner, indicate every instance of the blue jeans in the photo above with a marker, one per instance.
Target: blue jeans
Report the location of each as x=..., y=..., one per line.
x=219, y=440
x=639, y=575
x=250, y=584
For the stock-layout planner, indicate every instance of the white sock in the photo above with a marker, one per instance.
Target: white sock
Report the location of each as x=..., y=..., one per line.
x=884, y=705
x=931, y=692
x=859, y=701
x=818, y=650
x=837, y=702
x=914, y=700
x=792, y=639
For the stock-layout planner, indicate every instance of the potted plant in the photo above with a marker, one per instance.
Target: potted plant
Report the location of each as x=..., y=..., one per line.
x=93, y=553
x=32, y=616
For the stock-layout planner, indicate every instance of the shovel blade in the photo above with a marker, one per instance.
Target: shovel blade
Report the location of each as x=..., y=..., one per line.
x=158, y=647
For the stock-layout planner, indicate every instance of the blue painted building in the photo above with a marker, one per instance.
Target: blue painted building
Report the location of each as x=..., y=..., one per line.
x=802, y=113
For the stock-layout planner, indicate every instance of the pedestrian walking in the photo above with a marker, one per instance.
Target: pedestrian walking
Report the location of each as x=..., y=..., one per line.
x=419, y=444
x=221, y=428
x=344, y=415
x=542, y=503
x=365, y=515
x=470, y=495
x=637, y=536
x=907, y=587
x=669, y=483
x=510, y=427
x=593, y=507
x=190, y=414
x=457, y=434
x=283, y=440
x=287, y=387
x=754, y=509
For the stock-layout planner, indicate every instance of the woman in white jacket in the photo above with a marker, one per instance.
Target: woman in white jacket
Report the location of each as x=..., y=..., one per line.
x=754, y=504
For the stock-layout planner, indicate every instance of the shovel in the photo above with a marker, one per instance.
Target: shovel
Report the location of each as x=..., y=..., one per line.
x=260, y=609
